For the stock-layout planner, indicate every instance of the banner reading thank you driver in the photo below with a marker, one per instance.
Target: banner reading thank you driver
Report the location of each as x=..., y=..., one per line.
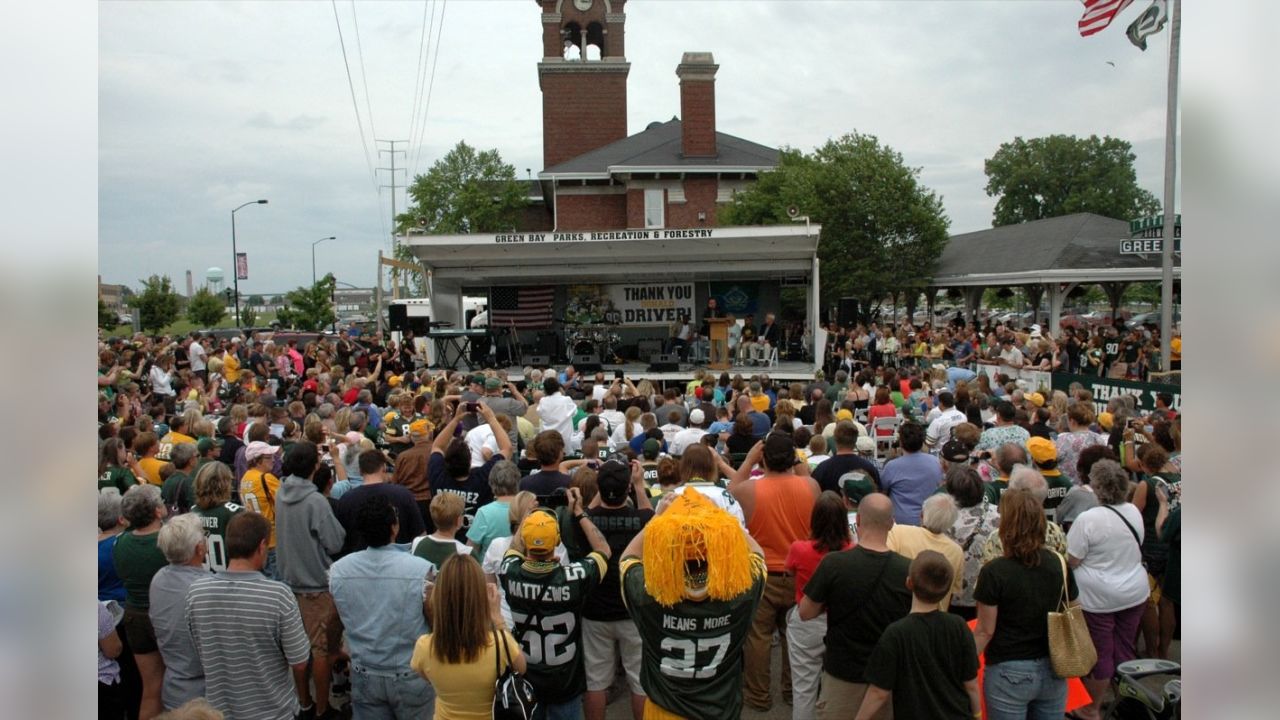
x=652, y=304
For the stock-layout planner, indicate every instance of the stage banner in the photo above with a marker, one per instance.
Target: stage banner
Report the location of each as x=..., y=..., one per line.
x=586, y=305
x=651, y=303
x=1104, y=389
x=737, y=299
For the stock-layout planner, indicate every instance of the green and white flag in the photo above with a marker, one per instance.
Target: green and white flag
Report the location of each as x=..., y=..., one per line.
x=1151, y=21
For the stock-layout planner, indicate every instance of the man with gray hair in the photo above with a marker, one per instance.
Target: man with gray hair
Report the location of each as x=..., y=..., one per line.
x=937, y=516
x=179, y=490
x=1004, y=460
x=182, y=542
x=1025, y=477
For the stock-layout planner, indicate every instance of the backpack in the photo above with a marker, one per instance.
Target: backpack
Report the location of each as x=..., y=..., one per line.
x=513, y=696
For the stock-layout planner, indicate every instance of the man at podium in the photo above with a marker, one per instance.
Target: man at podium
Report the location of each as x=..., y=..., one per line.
x=718, y=353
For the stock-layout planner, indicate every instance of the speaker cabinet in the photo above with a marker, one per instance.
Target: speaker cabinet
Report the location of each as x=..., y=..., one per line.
x=398, y=317
x=538, y=361
x=847, y=315
x=664, y=362
x=588, y=363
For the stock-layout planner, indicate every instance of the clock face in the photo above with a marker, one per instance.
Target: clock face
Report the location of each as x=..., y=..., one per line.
x=583, y=5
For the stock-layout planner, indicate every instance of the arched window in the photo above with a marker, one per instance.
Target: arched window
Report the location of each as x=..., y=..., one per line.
x=595, y=42
x=572, y=36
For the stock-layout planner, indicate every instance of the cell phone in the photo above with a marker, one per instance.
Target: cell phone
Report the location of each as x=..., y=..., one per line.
x=554, y=500
x=473, y=406
x=617, y=374
x=324, y=447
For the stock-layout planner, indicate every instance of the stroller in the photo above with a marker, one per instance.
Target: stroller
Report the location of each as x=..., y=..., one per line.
x=1147, y=690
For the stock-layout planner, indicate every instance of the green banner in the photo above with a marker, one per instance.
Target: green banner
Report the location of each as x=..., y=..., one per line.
x=1104, y=389
x=738, y=299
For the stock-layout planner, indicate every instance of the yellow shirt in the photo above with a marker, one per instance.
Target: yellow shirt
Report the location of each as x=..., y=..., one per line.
x=463, y=691
x=168, y=442
x=252, y=497
x=150, y=467
x=910, y=540
x=231, y=367
x=1175, y=349
x=760, y=402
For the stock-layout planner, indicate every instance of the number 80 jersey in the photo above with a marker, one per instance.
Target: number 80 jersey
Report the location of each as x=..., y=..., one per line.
x=691, y=662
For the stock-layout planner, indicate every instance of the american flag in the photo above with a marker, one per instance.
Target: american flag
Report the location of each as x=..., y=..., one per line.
x=521, y=307
x=1098, y=14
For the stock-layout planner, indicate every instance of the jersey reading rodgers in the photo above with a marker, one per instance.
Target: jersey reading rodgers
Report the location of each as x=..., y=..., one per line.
x=691, y=663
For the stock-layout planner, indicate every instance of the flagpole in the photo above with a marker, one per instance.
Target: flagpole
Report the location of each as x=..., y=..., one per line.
x=1170, y=164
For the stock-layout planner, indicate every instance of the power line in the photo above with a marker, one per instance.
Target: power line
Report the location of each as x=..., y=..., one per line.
x=355, y=105
x=435, y=62
x=420, y=79
x=363, y=78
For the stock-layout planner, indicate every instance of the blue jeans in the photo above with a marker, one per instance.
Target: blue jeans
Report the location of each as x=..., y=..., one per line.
x=271, y=569
x=568, y=710
x=400, y=696
x=1017, y=689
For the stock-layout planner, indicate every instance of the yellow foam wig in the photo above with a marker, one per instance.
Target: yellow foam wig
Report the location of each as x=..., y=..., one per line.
x=694, y=528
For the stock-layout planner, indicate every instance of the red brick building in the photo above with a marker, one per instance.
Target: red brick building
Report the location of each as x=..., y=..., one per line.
x=673, y=174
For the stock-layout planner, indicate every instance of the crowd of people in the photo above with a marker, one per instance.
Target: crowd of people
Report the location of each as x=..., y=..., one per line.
x=333, y=529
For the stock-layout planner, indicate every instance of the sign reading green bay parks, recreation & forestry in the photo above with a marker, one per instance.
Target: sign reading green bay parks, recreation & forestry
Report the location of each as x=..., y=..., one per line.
x=1147, y=236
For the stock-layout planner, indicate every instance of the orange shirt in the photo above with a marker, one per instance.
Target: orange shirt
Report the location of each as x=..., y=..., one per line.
x=783, y=504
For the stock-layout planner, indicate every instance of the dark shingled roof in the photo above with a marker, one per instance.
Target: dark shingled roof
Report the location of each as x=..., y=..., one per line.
x=659, y=146
x=1082, y=241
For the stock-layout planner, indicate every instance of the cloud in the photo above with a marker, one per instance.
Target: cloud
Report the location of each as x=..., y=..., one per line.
x=203, y=106
x=297, y=123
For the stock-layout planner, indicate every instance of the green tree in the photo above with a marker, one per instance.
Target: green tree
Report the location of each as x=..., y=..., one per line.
x=248, y=317
x=1063, y=174
x=464, y=192
x=158, y=304
x=108, y=319
x=414, y=281
x=255, y=301
x=205, y=309
x=276, y=299
x=309, y=308
x=882, y=231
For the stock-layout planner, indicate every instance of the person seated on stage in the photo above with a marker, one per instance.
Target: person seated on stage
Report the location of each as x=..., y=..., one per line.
x=735, y=335
x=767, y=339
x=681, y=334
x=747, y=340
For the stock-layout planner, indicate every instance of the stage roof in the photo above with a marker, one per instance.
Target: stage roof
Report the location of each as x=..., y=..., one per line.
x=769, y=252
x=1082, y=247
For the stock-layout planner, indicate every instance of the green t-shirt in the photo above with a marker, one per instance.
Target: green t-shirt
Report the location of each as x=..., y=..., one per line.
x=691, y=658
x=864, y=591
x=436, y=551
x=215, y=521
x=179, y=491
x=1023, y=596
x=1171, y=534
x=121, y=478
x=137, y=560
x=925, y=659
x=994, y=489
x=546, y=609
x=398, y=426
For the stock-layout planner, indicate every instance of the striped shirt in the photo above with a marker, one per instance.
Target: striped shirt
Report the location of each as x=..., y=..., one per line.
x=247, y=631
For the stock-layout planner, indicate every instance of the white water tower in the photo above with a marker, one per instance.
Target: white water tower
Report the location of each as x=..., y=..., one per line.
x=214, y=278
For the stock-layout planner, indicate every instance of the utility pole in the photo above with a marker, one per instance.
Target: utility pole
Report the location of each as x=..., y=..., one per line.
x=392, y=152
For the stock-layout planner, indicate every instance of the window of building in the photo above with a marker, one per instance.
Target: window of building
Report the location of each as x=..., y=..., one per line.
x=654, y=208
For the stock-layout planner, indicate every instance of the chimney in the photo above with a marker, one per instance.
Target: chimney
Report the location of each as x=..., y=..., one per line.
x=190, y=287
x=697, y=73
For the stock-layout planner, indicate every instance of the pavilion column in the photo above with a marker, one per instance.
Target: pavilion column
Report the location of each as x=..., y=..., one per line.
x=1035, y=293
x=930, y=300
x=973, y=302
x=1057, y=297
x=815, y=316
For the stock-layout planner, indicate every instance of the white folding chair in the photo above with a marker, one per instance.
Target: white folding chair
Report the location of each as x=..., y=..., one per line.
x=772, y=359
x=886, y=441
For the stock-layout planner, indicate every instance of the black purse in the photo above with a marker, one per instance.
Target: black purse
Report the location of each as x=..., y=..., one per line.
x=513, y=696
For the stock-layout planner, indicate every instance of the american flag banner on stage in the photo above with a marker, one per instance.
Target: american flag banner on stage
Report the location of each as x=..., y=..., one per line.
x=1098, y=14
x=521, y=307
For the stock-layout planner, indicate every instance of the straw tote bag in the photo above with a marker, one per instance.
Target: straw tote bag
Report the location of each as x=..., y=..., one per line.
x=1070, y=647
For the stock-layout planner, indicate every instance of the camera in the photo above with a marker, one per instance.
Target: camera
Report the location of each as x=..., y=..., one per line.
x=557, y=499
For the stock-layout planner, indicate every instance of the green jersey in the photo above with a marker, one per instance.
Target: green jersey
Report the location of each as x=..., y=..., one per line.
x=546, y=612
x=215, y=521
x=120, y=478
x=398, y=427
x=691, y=663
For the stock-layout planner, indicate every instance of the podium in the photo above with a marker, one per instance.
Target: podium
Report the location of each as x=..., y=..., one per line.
x=719, y=336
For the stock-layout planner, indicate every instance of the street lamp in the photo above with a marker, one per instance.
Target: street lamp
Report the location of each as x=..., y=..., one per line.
x=313, y=256
x=235, y=266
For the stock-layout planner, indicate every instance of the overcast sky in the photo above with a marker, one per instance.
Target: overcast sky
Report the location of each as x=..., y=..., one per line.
x=204, y=106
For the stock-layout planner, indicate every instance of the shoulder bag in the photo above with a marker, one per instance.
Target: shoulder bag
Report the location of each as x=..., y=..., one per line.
x=513, y=696
x=1071, y=649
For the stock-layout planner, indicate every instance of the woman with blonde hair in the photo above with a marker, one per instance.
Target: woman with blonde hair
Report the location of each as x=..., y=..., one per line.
x=469, y=644
x=626, y=430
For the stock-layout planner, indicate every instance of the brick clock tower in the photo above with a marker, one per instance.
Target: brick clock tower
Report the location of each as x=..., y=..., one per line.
x=583, y=77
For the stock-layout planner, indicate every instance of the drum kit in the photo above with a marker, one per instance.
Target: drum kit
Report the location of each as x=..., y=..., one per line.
x=600, y=340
